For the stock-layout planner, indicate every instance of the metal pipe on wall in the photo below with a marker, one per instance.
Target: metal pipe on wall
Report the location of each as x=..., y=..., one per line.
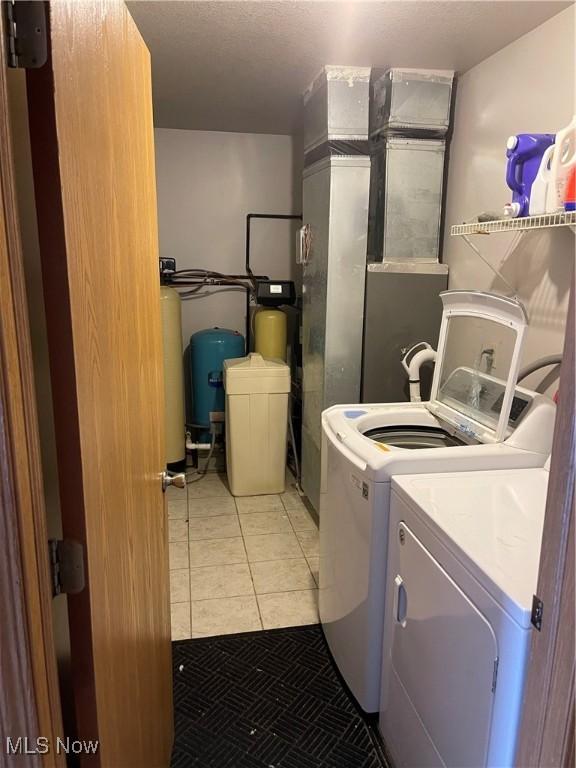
x=249, y=217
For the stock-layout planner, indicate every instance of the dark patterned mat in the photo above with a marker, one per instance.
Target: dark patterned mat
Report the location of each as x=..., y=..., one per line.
x=271, y=699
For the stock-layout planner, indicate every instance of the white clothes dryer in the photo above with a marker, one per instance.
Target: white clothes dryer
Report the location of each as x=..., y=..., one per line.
x=476, y=419
x=463, y=563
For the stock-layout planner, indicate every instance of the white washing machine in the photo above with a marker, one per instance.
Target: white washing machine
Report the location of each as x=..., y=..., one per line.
x=476, y=419
x=463, y=562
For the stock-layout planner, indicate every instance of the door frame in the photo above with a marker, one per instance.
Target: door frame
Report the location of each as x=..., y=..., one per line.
x=29, y=696
x=28, y=663
x=547, y=731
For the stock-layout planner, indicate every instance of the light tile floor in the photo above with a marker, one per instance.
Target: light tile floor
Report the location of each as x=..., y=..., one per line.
x=238, y=565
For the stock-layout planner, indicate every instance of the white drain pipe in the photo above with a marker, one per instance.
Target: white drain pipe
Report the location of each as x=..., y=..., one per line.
x=412, y=368
x=190, y=446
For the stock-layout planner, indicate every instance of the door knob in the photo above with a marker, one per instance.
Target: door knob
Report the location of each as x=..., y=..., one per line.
x=177, y=479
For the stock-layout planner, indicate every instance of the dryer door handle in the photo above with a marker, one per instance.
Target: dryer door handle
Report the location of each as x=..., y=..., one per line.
x=400, y=601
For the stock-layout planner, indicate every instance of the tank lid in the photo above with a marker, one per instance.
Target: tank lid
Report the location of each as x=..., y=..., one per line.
x=216, y=333
x=255, y=361
x=255, y=373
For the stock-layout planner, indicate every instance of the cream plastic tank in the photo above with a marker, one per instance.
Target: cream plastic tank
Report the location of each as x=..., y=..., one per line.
x=256, y=424
x=175, y=429
x=270, y=333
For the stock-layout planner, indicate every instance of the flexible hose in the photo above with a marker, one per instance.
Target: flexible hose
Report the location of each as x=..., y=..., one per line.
x=202, y=472
x=543, y=362
x=209, y=277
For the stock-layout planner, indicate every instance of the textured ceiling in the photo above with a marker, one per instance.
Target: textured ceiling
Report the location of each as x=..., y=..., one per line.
x=242, y=66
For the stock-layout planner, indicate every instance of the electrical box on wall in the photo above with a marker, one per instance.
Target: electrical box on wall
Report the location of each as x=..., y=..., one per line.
x=274, y=293
x=167, y=269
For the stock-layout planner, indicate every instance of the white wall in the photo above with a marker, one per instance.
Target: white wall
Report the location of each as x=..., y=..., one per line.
x=526, y=87
x=207, y=182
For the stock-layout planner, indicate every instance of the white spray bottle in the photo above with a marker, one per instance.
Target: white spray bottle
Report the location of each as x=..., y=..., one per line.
x=541, y=184
x=563, y=161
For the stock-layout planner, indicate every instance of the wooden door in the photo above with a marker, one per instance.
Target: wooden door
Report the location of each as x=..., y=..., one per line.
x=547, y=733
x=29, y=694
x=92, y=141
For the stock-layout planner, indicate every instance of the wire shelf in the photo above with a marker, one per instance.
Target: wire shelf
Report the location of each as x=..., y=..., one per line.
x=544, y=221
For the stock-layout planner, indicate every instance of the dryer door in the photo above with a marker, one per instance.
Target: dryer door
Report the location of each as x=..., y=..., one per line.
x=443, y=654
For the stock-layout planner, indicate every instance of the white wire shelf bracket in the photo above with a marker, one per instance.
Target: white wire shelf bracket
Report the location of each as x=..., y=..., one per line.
x=544, y=221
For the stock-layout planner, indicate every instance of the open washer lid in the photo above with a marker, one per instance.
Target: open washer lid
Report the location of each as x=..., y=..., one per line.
x=477, y=364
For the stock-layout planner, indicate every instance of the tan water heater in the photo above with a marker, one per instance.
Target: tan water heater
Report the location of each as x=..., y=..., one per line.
x=270, y=333
x=175, y=429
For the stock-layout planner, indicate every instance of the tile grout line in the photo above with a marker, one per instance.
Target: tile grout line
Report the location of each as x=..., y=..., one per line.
x=188, y=542
x=302, y=548
x=229, y=495
x=295, y=531
x=299, y=543
x=264, y=594
x=249, y=568
x=283, y=510
x=219, y=565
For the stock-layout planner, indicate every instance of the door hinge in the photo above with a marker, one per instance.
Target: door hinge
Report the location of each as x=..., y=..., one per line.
x=66, y=566
x=537, y=612
x=27, y=44
x=495, y=674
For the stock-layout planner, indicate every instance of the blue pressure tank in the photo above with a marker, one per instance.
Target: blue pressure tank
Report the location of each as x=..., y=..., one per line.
x=208, y=350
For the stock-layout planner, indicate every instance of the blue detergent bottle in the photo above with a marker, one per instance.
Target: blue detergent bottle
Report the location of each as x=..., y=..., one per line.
x=524, y=153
